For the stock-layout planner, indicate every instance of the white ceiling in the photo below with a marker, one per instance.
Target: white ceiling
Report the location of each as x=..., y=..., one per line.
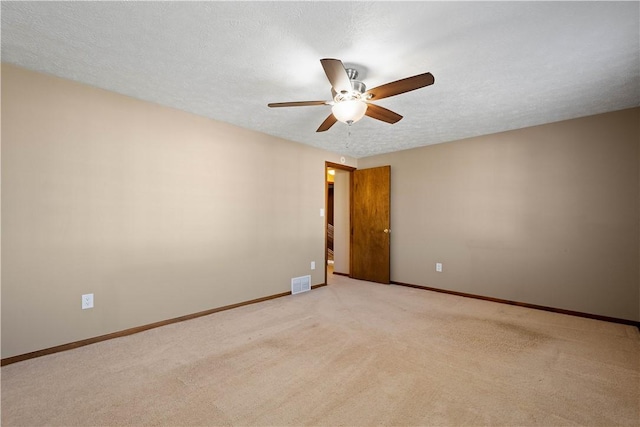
x=497, y=65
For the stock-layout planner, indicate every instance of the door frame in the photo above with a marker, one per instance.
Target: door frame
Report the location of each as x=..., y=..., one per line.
x=350, y=169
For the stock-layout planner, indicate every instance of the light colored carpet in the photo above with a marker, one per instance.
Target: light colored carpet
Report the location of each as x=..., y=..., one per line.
x=352, y=353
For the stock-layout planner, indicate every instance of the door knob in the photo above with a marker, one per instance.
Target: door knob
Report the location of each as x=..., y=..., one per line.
x=386, y=230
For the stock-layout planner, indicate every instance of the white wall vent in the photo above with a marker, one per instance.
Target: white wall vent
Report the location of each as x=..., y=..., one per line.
x=300, y=284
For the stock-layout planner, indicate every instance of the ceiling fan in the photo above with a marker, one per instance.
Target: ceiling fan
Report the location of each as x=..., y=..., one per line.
x=351, y=99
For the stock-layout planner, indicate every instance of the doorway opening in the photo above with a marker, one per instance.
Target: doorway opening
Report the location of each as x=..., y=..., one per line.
x=338, y=220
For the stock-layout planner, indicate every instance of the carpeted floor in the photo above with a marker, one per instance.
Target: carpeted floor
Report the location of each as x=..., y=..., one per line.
x=351, y=353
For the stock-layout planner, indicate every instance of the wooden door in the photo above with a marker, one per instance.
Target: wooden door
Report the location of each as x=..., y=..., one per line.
x=370, y=224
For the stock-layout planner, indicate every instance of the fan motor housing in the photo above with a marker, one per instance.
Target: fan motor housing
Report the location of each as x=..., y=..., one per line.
x=358, y=86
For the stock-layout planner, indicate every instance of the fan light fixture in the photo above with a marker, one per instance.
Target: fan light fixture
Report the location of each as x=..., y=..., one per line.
x=349, y=111
x=351, y=98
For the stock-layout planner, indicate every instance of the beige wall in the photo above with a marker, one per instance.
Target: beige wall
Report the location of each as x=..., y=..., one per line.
x=161, y=213
x=546, y=215
x=157, y=212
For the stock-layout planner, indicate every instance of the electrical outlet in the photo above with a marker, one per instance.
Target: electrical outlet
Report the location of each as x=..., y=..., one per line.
x=313, y=265
x=87, y=301
x=439, y=267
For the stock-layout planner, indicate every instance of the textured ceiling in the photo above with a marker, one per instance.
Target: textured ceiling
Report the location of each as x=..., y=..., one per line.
x=497, y=65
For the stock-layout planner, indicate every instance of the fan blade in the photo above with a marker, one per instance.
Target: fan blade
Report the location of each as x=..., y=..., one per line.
x=329, y=121
x=380, y=113
x=336, y=74
x=296, y=104
x=401, y=86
